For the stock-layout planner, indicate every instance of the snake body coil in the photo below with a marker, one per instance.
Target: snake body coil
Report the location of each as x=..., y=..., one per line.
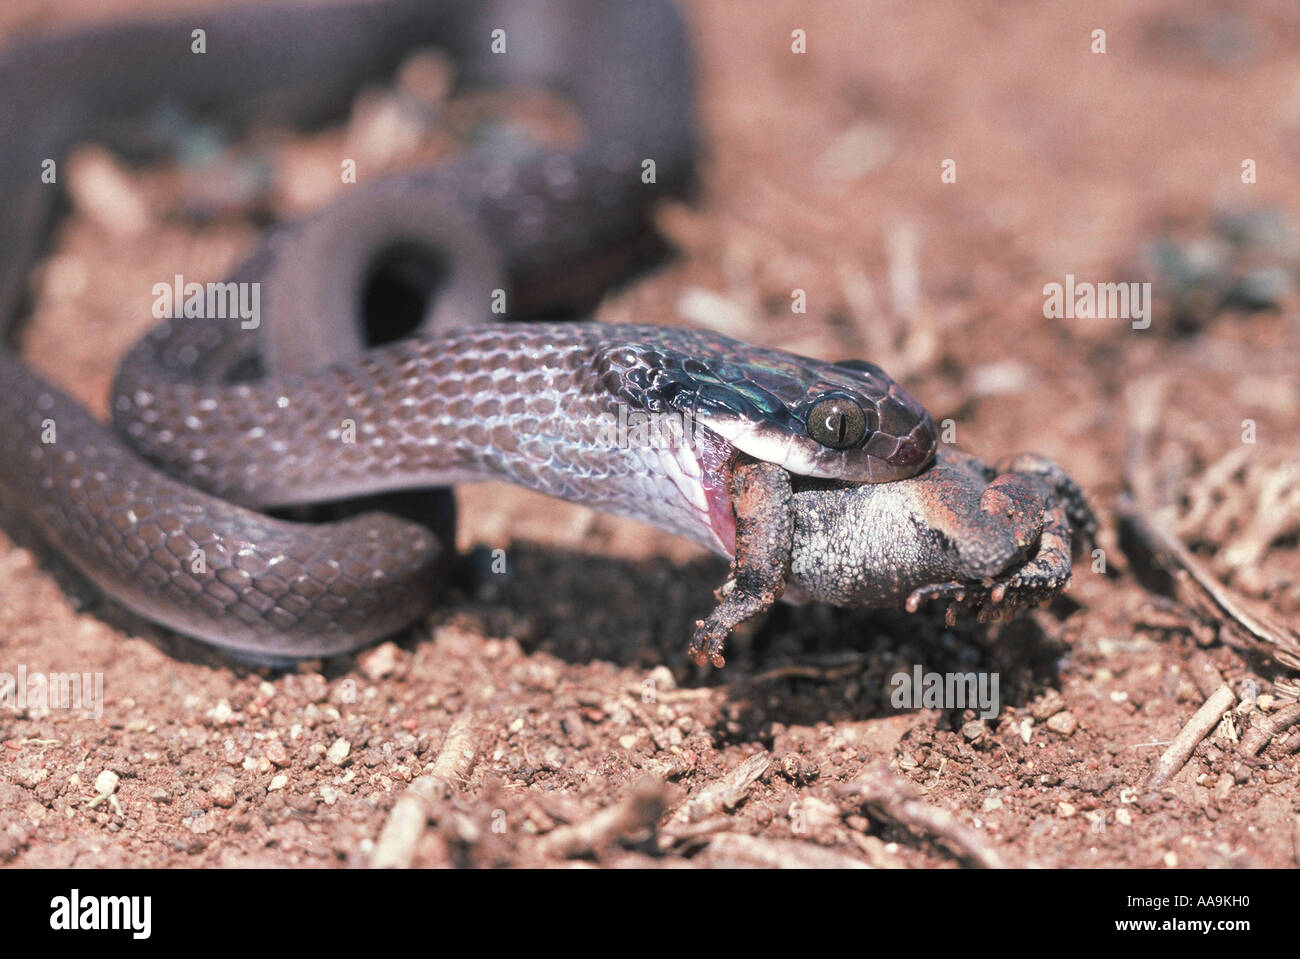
x=555, y=407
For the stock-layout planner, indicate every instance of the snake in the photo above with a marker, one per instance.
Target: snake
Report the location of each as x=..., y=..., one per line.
x=215, y=423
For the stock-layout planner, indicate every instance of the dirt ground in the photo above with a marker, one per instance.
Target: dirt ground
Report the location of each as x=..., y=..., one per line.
x=549, y=715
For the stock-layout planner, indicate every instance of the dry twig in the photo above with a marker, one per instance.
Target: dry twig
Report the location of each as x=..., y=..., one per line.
x=895, y=800
x=1242, y=623
x=737, y=849
x=396, y=846
x=725, y=794
x=1262, y=733
x=1196, y=729
x=639, y=810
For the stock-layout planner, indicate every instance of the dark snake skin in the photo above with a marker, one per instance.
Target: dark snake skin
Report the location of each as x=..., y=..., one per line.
x=543, y=405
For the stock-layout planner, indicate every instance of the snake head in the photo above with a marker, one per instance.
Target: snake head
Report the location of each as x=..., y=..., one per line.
x=843, y=421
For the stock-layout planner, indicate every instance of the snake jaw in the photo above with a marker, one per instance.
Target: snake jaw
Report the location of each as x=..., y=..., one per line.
x=802, y=456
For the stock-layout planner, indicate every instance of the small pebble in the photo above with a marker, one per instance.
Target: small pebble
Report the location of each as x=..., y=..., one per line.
x=221, y=712
x=817, y=814
x=380, y=662
x=338, y=752
x=223, y=794
x=1063, y=723
x=1049, y=705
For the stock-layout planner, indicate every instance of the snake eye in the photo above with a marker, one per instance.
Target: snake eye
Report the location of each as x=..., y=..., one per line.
x=837, y=422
